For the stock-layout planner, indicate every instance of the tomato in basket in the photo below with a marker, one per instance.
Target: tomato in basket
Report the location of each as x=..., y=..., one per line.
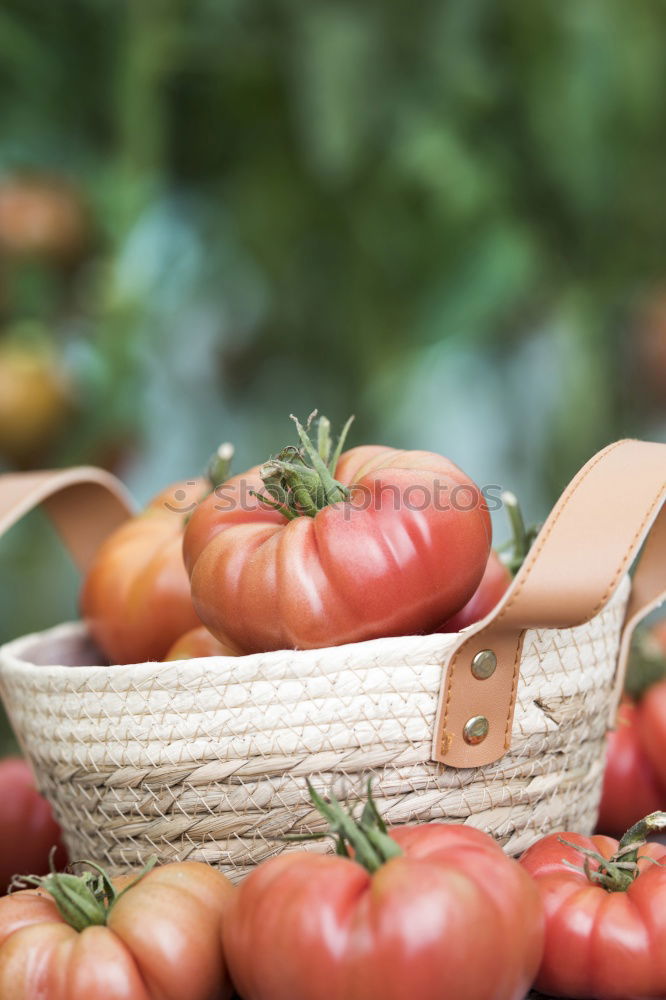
x=136, y=596
x=318, y=547
x=199, y=642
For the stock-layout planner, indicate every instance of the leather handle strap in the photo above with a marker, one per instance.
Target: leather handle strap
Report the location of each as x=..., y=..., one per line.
x=584, y=549
x=85, y=504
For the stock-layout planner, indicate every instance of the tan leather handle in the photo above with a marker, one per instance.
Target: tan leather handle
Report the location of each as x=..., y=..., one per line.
x=582, y=552
x=85, y=504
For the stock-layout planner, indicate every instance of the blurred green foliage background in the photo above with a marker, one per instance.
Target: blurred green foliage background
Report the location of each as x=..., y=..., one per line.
x=447, y=218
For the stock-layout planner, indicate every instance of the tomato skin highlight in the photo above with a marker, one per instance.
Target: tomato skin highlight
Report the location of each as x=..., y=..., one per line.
x=631, y=789
x=426, y=924
x=162, y=942
x=28, y=830
x=136, y=598
x=599, y=944
x=389, y=561
x=494, y=584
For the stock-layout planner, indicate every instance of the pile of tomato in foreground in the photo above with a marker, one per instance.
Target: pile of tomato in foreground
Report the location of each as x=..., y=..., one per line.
x=419, y=913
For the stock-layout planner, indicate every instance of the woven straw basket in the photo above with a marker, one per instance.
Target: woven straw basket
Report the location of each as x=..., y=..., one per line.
x=206, y=759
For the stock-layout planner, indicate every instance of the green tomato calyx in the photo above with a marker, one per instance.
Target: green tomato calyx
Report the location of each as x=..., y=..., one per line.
x=300, y=481
x=365, y=841
x=617, y=873
x=84, y=900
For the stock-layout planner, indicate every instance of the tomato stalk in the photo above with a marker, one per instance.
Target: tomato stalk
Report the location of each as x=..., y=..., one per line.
x=83, y=900
x=300, y=481
x=217, y=471
x=515, y=550
x=365, y=841
x=219, y=466
x=616, y=874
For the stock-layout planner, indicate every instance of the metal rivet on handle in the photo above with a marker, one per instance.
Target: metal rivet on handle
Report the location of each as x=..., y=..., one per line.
x=484, y=664
x=476, y=730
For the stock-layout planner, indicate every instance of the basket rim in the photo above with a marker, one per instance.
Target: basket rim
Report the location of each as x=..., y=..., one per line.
x=435, y=645
x=13, y=659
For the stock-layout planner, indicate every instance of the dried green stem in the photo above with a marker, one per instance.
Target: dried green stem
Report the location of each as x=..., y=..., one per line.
x=305, y=475
x=616, y=874
x=365, y=840
x=84, y=900
x=516, y=549
x=219, y=466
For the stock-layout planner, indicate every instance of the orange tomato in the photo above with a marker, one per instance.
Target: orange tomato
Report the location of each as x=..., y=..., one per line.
x=136, y=596
x=199, y=642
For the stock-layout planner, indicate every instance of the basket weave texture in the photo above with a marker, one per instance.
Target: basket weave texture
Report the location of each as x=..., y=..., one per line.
x=207, y=759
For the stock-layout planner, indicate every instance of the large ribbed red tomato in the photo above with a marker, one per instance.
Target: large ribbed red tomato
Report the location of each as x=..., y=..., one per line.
x=605, y=927
x=428, y=912
x=159, y=939
x=136, y=596
x=378, y=542
x=28, y=831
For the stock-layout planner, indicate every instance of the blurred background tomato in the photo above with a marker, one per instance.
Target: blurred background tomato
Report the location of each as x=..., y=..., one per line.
x=448, y=220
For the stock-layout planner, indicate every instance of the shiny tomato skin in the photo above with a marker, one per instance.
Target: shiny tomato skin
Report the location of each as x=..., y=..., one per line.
x=396, y=559
x=630, y=790
x=136, y=596
x=652, y=729
x=28, y=830
x=495, y=582
x=162, y=942
x=599, y=944
x=199, y=642
x=452, y=917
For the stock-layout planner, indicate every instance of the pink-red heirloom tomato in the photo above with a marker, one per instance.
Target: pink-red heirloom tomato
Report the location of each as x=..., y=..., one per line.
x=373, y=542
x=499, y=572
x=652, y=728
x=605, y=921
x=86, y=938
x=199, y=642
x=428, y=912
x=28, y=830
x=631, y=789
x=136, y=596
x=494, y=584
